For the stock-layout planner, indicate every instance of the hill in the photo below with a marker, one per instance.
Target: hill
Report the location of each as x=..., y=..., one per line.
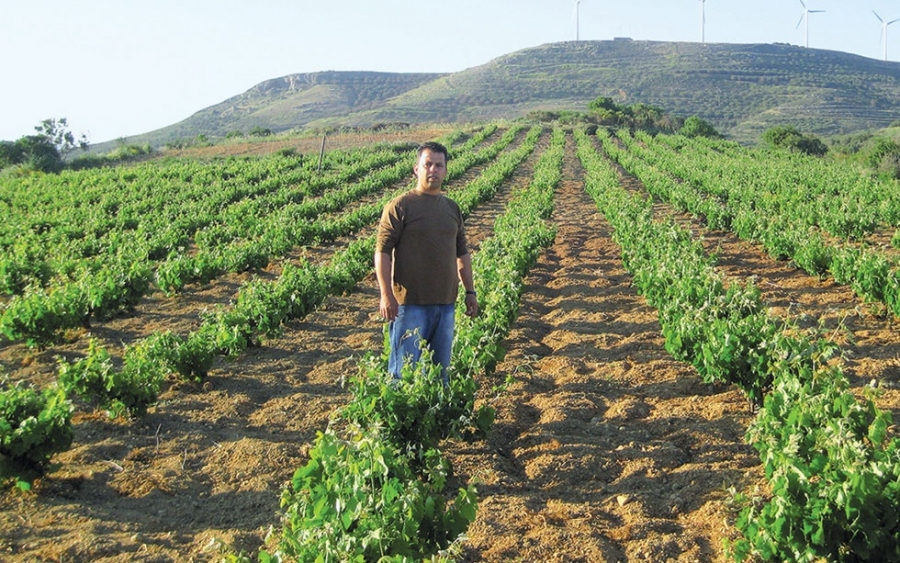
x=741, y=89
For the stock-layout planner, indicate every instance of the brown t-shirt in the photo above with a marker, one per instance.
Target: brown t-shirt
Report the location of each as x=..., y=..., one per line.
x=425, y=234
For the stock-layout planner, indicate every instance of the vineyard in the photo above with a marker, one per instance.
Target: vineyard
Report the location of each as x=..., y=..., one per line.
x=687, y=352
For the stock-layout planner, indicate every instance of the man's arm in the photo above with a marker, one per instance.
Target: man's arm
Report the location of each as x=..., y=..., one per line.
x=464, y=266
x=387, y=306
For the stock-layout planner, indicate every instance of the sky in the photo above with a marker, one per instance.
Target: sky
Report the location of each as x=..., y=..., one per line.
x=115, y=68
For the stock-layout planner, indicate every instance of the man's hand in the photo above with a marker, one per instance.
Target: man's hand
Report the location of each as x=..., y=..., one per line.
x=388, y=307
x=471, y=305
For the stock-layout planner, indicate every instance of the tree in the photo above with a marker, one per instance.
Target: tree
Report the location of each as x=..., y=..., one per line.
x=45, y=151
x=57, y=132
x=10, y=153
x=602, y=103
x=787, y=137
x=812, y=146
x=885, y=157
x=782, y=136
x=39, y=153
x=694, y=126
x=260, y=131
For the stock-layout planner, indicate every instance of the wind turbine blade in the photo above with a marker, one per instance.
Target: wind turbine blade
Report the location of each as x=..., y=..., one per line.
x=801, y=20
x=804, y=5
x=892, y=21
x=816, y=11
x=877, y=16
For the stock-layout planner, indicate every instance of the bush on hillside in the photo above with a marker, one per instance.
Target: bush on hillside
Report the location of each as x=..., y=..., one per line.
x=787, y=137
x=884, y=157
x=121, y=154
x=694, y=126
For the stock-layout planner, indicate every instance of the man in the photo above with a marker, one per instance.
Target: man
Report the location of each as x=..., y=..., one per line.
x=420, y=258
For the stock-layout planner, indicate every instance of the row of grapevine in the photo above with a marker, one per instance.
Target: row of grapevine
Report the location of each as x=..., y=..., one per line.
x=831, y=466
x=756, y=213
x=375, y=485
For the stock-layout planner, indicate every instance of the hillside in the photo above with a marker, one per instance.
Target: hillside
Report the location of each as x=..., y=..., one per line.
x=741, y=89
x=291, y=102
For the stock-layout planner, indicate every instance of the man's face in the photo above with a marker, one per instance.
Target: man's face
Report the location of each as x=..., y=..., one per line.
x=430, y=170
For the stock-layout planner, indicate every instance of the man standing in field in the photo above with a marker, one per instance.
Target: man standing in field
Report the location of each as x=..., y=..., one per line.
x=420, y=258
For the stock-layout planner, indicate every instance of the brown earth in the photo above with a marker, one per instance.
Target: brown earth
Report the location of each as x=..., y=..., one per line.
x=605, y=449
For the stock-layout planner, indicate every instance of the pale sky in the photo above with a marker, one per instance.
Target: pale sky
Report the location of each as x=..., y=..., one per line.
x=116, y=68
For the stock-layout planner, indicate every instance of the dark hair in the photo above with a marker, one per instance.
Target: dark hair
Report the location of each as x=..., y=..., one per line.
x=433, y=147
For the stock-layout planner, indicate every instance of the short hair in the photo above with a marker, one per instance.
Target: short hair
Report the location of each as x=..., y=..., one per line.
x=432, y=146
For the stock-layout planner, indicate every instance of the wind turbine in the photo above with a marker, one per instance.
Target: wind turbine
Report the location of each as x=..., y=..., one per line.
x=884, y=26
x=702, y=21
x=577, y=3
x=805, y=16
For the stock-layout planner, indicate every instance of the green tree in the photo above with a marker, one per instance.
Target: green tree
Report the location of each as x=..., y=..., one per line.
x=57, y=132
x=885, y=157
x=694, y=126
x=788, y=137
x=10, y=153
x=45, y=151
x=781, y=136
x=39, y=153
x=602, y=103
x=812, y=146
x=645, y=115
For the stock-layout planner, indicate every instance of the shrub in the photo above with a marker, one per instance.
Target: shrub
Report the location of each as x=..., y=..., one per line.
x=884, y=157
x=127, y=392
x=787, y=137
x=357, y=499
x=696, y=127
x=417, y=411
x=33, y=427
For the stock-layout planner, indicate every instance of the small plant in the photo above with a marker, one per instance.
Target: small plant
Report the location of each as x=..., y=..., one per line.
x=833, y=471
x=358, y=499
x=190, y=357
x=418, y=410
x=126, y=392
x=33, y=427
x=39, y=317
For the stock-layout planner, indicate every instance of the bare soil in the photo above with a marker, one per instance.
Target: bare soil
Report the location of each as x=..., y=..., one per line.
x=605, y=449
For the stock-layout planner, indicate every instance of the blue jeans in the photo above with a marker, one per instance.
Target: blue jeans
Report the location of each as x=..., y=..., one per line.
x=430, y=325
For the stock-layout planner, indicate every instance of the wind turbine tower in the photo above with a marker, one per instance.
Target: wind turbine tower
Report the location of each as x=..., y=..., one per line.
x=805, y=16
x=702, y=21
x=884, y=26
x=577, y=36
